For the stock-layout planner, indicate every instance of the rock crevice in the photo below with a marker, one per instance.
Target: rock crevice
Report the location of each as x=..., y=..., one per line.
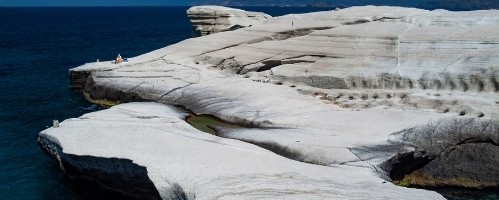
x=120, y=176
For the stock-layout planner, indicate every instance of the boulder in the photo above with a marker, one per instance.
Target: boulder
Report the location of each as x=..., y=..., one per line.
x=451, y=152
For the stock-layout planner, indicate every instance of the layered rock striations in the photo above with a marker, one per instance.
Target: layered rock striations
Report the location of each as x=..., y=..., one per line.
x=184, y=163
x=213, y=19
x=374, y=92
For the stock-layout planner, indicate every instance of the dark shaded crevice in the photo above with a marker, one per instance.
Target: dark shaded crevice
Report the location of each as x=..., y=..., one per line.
x=233, y=28
x=268, y=65
x=315, y=55
x=284, y=151
x=360, y=159
x=208, y=123
x=132, y=183
x=495, y=84
x=229, y=64
x=280, y=150
x=236, y=123
x=211, y=51
x=173, y=90
x=363, y=21
x=78, y=79
x=461, y=152
x=96, y=94
x=290, y=62
x=405, y=163
x=324, y=82
x=284, y=35
x=382, y=19
x=360, y=21
x=121, y=178
x=216, y=126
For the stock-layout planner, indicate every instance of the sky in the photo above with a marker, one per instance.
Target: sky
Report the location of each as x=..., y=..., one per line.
x=6, y=3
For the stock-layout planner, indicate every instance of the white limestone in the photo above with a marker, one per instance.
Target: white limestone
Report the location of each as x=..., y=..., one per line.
x=213, y=19
x=358, y=75
x=210, y=167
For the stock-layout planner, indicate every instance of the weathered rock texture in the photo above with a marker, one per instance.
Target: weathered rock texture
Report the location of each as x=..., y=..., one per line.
x=213, y=19
x=456, y=152
x=326, y=88
x=184, y=163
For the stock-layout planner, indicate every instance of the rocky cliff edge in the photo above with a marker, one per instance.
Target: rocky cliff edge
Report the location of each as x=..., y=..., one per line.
x=335, y=104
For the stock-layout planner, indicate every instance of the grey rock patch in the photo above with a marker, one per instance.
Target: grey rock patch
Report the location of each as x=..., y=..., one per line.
x=452, y=152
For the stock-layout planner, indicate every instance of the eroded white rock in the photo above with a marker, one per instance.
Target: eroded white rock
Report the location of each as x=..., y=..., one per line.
x=213, y=19
x=358, y=75
x=204, y=166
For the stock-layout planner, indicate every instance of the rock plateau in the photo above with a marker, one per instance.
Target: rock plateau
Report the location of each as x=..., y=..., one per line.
x=335, y=105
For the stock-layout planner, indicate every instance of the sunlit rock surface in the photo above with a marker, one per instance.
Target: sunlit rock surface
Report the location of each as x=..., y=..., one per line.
x=333, y=89
x=184, y=163
x=213, y=19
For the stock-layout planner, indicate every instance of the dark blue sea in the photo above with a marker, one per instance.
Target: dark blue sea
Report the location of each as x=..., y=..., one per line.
x=37, y=48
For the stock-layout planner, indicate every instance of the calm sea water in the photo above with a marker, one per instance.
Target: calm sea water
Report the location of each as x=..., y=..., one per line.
x=37, y=47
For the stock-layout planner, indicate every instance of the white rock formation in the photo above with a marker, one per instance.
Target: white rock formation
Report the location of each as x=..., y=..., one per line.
x=213, y=19
x=315, y=88
x=205, y=166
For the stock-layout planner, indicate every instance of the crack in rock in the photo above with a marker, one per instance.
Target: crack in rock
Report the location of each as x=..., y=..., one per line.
x=285, y=35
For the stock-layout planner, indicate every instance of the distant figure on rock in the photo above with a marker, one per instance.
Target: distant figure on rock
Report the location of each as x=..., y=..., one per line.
x=118, y=59
x=55, y=123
